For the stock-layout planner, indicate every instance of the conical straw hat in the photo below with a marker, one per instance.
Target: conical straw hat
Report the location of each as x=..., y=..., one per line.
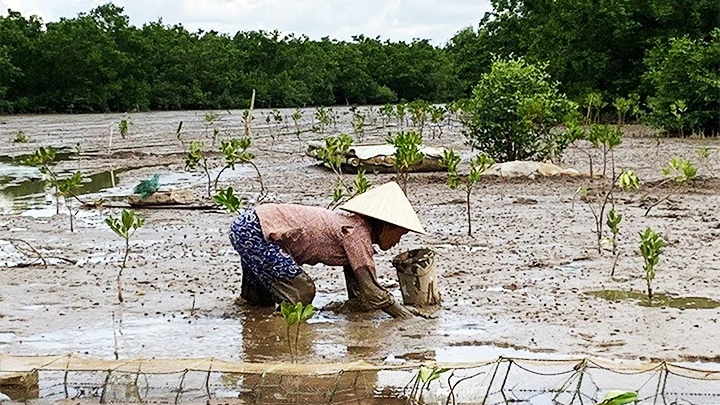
x=386, y=203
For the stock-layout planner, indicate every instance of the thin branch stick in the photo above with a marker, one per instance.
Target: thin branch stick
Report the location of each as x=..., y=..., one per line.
x=25, y=252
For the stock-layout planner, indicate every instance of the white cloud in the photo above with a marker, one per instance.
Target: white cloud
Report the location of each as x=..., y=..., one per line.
x=339, y=19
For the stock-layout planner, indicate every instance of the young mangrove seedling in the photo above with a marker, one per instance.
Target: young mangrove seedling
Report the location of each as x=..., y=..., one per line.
x=623, y=106
x=651, y=245
x=599, y=199
x=604, y=138
x=20, y=137
x=478, y=166
x=619, y=398
x=407, y=154
x=703, y=154
x=387, y=112
x=422, y=381
x=124, y=126
x=400, y=114
x=626, y=181
x=333, y=155
x=124, y=227
x=678, y=109
x=418, y=114
x=594, y=103
x=248, y=118
x=235, y=152
x=342, y=193
x=334, y=152
x=680, y=171
x=44, y=158
x=209, y=121
x=296, y=117
x=295, y=314
x=437, y=115
x=323, y=118
x=228, y=200
x=358, y=122
x=68, y=188
x=196, y=158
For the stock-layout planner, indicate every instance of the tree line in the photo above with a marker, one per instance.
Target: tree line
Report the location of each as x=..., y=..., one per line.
x=659, y=52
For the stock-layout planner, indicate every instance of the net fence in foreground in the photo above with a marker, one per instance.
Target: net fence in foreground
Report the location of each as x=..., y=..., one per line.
x=500, y=381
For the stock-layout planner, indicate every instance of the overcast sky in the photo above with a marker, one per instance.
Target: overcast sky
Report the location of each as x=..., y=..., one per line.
x=437, y=20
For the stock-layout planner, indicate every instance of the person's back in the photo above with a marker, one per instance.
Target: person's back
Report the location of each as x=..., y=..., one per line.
x=314, y=235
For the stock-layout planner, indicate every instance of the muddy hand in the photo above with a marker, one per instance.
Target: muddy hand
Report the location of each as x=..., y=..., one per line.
x=398, y=311
x=420, y=314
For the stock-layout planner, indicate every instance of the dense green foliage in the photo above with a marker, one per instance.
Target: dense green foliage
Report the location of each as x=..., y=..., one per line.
x=599, y=47
x=513, y=111
x=660, y=54
x=99, y=62
x=685, y=77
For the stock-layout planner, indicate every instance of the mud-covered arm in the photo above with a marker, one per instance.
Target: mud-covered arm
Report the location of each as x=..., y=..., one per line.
x=360, y=274
x=372, y=294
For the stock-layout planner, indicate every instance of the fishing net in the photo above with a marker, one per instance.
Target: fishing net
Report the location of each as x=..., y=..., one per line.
x=500, y=381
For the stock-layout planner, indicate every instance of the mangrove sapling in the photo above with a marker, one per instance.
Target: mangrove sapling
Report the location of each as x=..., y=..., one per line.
x=703, y=155
x=67, y=188
x=407, y=154
x=124, y=126
x=478, y=166
x=387, y=112
x=228, y=200
x=248, y=118
x=333, y=115
x=437, y=114
x=20, y=137
x=626, y=181
x=651, y=247
x=604, y=138
x=418, y=114
x=400, y=114
x=323, y=118
x=623, y=106
x=594, y=103
x=422, y=382
x=235, y=152
x=124, y=227
x=680, y=171
x=196, y=158
x=619, y=398
x=678, y=109
x=333, y=154
x=358, y=122
x=44, y=158
x=342, y=192
x=295, y=314
x=296, y=117
x=371, y=116
x=209, y=121
x=599, y=200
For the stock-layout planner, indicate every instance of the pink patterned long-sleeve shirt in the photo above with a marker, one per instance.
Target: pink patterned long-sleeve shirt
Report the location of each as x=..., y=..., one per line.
x=314, y=235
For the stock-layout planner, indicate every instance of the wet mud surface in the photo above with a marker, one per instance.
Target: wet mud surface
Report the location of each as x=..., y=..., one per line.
x=517, y=287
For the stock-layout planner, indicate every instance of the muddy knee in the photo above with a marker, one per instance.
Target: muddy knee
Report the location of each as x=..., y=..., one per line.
x=299, y=289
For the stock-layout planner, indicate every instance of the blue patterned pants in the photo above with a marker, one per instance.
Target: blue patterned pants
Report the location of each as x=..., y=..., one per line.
x=270, y=275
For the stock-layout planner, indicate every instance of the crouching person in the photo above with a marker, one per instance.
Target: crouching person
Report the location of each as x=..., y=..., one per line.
x=275, y=240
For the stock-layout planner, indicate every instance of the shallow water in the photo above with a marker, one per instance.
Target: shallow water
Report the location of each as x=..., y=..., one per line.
x=659, y=300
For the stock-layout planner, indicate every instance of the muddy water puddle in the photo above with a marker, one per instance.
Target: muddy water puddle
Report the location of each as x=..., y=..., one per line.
x=254, y=336
x=658, y=300
x=23, y=188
